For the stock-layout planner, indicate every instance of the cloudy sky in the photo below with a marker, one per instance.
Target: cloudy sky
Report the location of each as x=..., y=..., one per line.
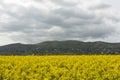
x=33, y=21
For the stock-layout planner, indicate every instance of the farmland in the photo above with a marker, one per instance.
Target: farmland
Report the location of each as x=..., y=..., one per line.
x=83, y=67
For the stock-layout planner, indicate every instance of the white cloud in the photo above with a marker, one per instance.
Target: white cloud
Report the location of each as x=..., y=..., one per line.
x=55, y=30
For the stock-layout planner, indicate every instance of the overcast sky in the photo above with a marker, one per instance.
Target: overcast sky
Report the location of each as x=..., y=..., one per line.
x=34, y=21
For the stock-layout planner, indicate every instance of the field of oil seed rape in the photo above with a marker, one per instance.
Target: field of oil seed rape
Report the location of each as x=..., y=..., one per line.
x=101, y=67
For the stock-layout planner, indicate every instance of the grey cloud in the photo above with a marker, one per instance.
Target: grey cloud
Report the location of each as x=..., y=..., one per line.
x=100, y=6
x=74, y=12
x=65, y=3
x=35, y=24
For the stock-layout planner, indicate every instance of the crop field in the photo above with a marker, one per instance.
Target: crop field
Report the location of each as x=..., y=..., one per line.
x=84, y=67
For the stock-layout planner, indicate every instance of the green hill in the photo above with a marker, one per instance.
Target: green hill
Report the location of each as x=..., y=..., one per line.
x=61, y=47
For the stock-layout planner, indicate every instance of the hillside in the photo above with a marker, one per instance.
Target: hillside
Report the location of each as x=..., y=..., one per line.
x=61, y=47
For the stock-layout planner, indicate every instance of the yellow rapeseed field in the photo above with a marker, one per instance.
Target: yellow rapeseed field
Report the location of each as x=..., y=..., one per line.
x=84, y=67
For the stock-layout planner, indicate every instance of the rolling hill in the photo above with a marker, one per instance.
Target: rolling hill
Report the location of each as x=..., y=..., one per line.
x=61, y=47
